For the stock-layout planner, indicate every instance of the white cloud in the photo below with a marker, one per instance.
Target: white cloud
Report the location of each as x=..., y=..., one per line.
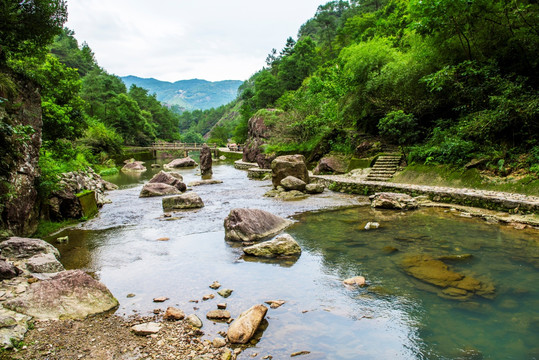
x=184, y=39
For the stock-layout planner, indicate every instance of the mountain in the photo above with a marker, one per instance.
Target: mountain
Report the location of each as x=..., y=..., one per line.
x=189, y=94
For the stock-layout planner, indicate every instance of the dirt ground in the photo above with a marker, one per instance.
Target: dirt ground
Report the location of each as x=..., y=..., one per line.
x=108, y=337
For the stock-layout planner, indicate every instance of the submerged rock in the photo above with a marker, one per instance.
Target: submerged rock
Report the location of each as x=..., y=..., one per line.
x=397, y=201
x=190, y=200
x=284, y=245
x=355, y=281
x=71, y=294
x=244, y=327
x=252, y=224
x=158, y=189
x=453, y=284
x=225, y=292
x=181, y=163
x=205, y=182
x=372, y=225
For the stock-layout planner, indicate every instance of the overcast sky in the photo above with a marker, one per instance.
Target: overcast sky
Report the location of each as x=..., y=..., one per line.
x=185, y=39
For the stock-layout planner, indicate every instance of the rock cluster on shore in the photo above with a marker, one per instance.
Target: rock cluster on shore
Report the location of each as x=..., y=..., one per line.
x=36, y=285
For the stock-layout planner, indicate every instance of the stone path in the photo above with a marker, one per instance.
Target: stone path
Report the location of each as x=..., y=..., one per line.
x=494, y=200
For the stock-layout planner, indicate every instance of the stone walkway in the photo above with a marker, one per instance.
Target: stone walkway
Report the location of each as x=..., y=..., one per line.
x=493, y=200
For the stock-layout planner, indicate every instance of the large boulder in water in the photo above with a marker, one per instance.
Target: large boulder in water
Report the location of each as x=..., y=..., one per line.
x=252, y=224
x=171, y=179
x=397, y=201
x=331, y=165
x=284, y=245
x=205, y=161
x=181, y=163
x=158, y=189
x=289, y=165
x=293, y=183
x=244, y=327
x=24, y=248
x=71, y=294
x=190, y=200
x=134, y=166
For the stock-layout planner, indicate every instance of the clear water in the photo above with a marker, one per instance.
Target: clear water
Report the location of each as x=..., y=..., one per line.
x=396, y=317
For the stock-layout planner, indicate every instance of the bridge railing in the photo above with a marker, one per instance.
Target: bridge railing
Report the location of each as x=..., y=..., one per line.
x=178, y=145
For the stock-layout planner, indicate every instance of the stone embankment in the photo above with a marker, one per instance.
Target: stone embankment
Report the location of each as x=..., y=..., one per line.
x=492, y=200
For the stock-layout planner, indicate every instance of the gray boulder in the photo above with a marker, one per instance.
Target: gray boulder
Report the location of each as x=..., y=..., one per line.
x=393, y=201
x=293, y=183
x=244, y=327
x=284, y=245
x=172, y=179
x=289, y=165
x=134, y=166
x=181, y=163
x=189, y=200
x=8, y=270
x=24, y=248
x=313, y=188
x=70, y=294
x=158, y=189
x=331, y=165
x=252, y=224
x=44, y=263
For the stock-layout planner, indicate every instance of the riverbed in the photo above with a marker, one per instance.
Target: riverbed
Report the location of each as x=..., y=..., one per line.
x=395, y=317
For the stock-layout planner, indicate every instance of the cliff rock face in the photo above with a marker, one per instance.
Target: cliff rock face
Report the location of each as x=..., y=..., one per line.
x=258, y=132
x=20, y=212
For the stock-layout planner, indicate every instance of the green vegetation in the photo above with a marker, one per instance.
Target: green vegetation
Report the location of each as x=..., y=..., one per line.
x=449, y=81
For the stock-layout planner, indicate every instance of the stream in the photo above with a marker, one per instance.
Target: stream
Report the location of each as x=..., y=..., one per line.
x=395, y=317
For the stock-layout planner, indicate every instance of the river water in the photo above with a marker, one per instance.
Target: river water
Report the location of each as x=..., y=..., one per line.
x=396, y=317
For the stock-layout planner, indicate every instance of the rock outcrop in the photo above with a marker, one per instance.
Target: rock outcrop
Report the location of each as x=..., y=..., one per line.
x=289, y=165
x=244, y=327
x=258, y=132
x=172, y=179
x=65, y=204
x=393, y=201
x=19, y=213
x=189, y=200
x=181, y=163
x=252, y=224
x=25, y=248
x=331, y=165
x=283, y=245
x=205, y=161
x=71, y=294
x=158, y=189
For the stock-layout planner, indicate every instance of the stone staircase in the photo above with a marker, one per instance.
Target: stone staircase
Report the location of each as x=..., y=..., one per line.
x=384, y=168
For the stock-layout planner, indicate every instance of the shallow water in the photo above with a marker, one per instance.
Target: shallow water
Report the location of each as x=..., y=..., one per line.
x=396, y=317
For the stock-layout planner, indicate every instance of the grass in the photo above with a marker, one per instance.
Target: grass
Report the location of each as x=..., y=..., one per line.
x=45, y=228
x=443, y=175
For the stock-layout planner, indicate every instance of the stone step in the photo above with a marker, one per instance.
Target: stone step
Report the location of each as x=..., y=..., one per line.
x=386, y=162
x=382, y=173
x=377, y=179
x=389, y=167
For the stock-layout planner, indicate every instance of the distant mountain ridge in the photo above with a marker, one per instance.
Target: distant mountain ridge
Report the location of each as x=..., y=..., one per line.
x=188, y=94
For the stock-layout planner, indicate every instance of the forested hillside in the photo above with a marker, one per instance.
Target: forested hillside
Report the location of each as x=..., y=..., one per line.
x=449, y=80
x=195, y=94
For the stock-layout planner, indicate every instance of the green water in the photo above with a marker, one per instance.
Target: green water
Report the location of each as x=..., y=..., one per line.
x=506, y=327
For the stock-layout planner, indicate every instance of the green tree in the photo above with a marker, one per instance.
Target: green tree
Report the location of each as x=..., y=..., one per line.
x=27, y=27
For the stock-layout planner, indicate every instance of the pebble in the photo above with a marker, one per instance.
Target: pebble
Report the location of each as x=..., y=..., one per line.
x=300, y=353
x=274, y=304
x=225, y=292
x=130, y=296
x=215, y=285
x=218, y=315
x=219, y=342
x=146, y=329
x=163, y=239
x=221, y=306
x=208, y=297
x=160, y=299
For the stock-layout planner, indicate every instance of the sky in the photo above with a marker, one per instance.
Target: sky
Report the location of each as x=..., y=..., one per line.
x=175, y=40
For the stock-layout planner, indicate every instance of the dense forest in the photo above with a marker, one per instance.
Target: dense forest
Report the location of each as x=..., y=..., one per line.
x=88, y=114
x=448, y=80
